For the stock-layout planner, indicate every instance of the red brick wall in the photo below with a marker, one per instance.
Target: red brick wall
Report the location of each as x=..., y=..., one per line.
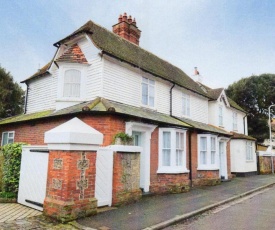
x=32, y=132
x=165, y=183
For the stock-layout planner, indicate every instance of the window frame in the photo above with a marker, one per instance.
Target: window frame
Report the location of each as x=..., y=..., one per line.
x=174, y=167
x=186, y=111
x=70, y=83
x=235, y=121
x=220, y=116
x=8, y=132
x=249, y=151
x=148, y=82
x=61, y=81
x=210, y=163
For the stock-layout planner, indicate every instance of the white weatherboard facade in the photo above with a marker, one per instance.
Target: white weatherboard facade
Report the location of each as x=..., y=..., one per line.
x=111, y=79
x=239, y=162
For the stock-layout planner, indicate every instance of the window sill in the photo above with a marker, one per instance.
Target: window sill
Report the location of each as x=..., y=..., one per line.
x=172, y=171
x=209, y=168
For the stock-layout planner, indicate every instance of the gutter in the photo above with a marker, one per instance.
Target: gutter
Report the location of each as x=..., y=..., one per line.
x=26, y=98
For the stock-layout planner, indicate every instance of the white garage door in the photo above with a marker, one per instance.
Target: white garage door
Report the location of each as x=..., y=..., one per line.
x=33, y=176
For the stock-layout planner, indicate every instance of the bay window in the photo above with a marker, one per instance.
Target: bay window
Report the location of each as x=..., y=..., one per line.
x=172, y=151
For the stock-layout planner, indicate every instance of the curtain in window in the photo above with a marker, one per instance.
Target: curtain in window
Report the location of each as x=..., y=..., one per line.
x=203, y=150
x=166, y=150
x=179, y=148
x=213, y=150
x=72, y=80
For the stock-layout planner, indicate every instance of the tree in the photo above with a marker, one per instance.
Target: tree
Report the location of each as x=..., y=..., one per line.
x=11, y=95
x=255, y=94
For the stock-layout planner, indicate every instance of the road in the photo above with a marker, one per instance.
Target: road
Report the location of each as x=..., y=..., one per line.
x=252, y=212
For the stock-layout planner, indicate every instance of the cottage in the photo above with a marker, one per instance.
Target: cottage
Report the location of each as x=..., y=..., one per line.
x=109, y=82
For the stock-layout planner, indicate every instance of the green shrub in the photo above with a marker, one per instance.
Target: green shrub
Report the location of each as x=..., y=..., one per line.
x=11, y=166
x=1, y=171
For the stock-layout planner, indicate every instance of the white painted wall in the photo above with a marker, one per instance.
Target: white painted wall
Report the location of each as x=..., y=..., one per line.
x=238, y=157
x=42, y=93
x=198, y=105
x=227, y=116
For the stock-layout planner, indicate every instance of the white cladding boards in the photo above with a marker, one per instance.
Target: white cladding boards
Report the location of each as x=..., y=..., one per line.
x=227, y=116
x=42, y=93
x=198, y=105
x=121, y=84
x=163, y=96
x=88, y=49
x=238, y=157
x=94, y=79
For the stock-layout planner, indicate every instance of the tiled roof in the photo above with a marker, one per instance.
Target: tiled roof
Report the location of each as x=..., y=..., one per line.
x=73, y=55
x=124, y=50
x=40, y=72
x=215, y=93
x=205, y=127
x=100, y=105
x=242, y=136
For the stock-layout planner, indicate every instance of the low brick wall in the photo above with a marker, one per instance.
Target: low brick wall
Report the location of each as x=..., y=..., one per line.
x=264, y=164
x=126, y=178
x=170, y=183
x=206, y=178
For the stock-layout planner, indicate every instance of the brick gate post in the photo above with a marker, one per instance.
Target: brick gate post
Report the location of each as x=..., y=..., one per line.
x=70, y=192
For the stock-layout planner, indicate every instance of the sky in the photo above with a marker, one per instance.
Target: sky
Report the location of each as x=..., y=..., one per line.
x=226, y=40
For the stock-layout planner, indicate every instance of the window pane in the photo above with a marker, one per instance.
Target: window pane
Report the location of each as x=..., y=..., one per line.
x=151, y=82
x=151, y=95
x=203, y=143
x=144, y=94
x=179, y=154
x=72, y=80
x=145, y=80
x=166, y=157
x=166, y=140
x=5, y=138
x=213, y=143
x=203, y=157
x=213, y=154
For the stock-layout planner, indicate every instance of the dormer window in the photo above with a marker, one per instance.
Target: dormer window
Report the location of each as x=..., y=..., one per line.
x=72, y=82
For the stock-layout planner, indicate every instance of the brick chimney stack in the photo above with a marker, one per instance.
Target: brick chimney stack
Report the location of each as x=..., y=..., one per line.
x=127, y=28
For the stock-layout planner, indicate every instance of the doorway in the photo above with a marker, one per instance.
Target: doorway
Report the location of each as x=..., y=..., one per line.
x=223, y=160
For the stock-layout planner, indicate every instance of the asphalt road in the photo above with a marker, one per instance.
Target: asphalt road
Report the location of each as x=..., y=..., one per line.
x=252, y=212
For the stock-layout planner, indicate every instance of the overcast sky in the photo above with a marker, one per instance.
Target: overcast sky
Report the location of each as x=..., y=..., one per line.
x=226, y=40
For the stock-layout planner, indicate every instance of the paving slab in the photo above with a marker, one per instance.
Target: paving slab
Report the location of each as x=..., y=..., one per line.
x=151, y=211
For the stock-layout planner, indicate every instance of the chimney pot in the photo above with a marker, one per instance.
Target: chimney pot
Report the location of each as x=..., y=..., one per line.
x=196, y=71
x=124, y=17
x=130, y=19
x=120, y=18
x=129, y=30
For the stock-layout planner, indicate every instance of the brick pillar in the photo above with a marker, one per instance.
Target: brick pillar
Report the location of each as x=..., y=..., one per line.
x=71, y=171
x=126, y=178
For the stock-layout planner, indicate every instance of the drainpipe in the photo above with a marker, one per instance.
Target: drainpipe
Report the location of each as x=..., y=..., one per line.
x=190, y=155
x=26, y=98
x=190, y=161
x=171, y=100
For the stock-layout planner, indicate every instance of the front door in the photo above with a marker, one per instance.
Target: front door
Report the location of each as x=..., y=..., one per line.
x=139, y=141
x=223, y=160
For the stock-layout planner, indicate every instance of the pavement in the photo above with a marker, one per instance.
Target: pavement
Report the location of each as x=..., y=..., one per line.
x=154, y=212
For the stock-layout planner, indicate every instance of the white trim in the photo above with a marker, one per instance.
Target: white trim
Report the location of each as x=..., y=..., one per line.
x=123, y=148
x=173, y=168
x=208, y=165
x=80, y=147
x=8, y=132
x=145, y=161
